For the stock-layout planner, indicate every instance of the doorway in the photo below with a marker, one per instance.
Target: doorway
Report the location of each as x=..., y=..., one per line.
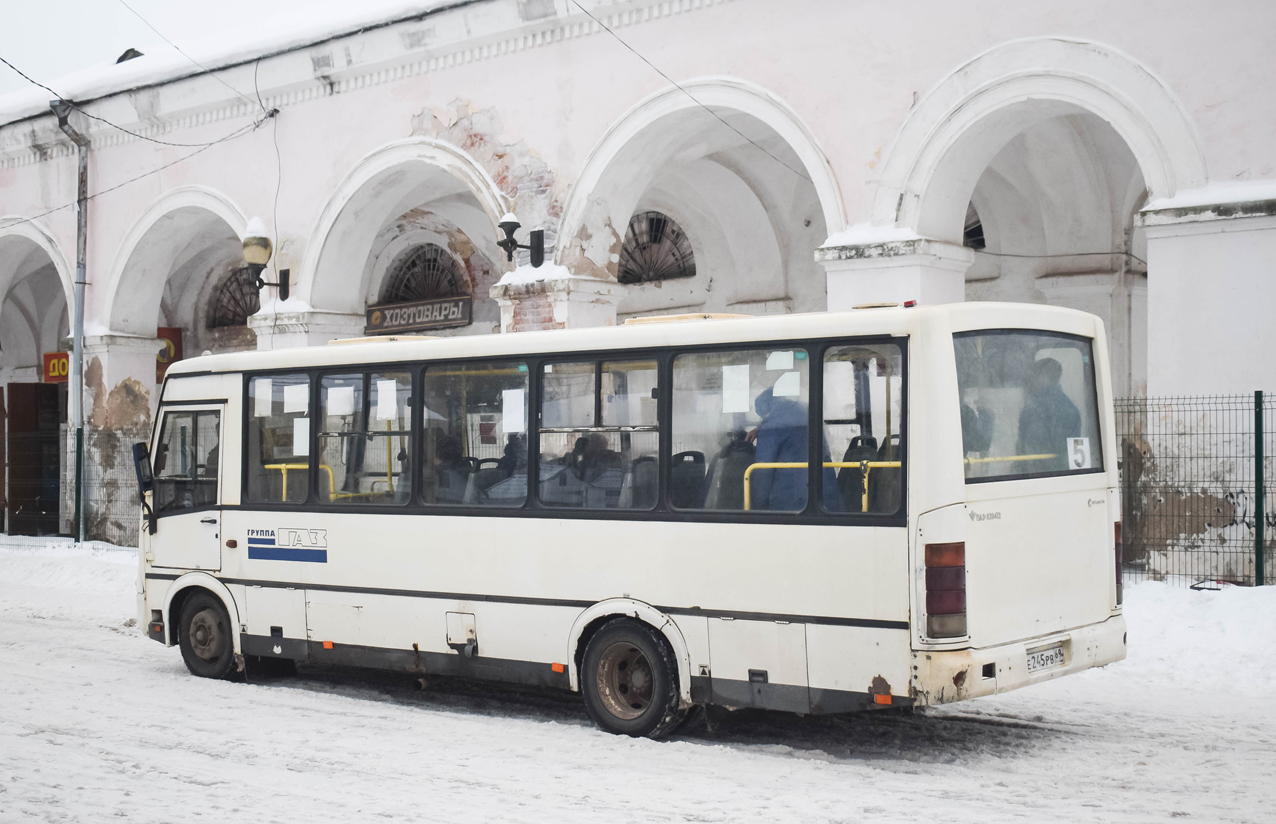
x=33, y=448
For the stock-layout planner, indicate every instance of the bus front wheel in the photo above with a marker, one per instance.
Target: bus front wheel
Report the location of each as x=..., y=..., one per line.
x=205, y=637
x=630, y=681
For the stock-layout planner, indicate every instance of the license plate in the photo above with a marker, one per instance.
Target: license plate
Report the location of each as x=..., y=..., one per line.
x=1044, y=659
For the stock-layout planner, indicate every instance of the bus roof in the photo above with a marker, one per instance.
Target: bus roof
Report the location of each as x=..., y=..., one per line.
x=869, y=321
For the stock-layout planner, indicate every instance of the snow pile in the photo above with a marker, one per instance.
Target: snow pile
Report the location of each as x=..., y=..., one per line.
x=528, y=274
x=1234, y=191
x=1222, y=638
x=862, y=233
x=61, y=579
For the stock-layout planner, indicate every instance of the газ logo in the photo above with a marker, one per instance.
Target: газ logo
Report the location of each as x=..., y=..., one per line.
x=985, y=516
x=288, y=545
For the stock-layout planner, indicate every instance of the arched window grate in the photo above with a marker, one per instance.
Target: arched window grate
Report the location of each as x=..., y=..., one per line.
x=973, y=235
x=235, y=299
x=655, y=248
x=423, y=273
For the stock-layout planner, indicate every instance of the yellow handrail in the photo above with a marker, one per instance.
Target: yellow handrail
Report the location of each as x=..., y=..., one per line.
x=284, y=467
x=1009, y=458
x=864, y=467
x=333, y=494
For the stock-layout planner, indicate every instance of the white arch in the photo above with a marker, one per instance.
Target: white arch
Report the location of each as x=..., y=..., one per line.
x=403, y=153
x=20, y=227
x=185, y=197
x=950, y=136
x=715, y=92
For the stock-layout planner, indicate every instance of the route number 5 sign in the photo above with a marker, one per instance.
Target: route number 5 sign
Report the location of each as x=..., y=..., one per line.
x=1078, y=453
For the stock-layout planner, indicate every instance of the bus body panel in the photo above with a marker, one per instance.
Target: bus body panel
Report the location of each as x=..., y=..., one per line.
x=945, y=676
x=1032, y=560
x=526, y=581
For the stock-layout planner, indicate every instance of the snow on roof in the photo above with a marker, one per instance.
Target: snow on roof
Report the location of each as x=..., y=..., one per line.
x=1236, y=191
x=322, y=21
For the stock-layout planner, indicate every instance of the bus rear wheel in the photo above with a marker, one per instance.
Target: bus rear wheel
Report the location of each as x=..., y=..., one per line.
x=204, y=635
x=630, y=681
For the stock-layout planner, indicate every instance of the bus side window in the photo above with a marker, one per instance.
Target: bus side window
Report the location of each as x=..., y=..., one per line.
x=277, y=450
x=863, y=413
x=741, y=419
x=186, y=464
x=365, y=438
x=476, y=434
x=599, y=435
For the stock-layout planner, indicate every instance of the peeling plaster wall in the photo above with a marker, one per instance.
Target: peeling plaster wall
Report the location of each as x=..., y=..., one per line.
x=520, y=173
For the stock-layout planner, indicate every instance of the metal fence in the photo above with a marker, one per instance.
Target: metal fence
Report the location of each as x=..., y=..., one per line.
x=109, y=495
x=1194, y=509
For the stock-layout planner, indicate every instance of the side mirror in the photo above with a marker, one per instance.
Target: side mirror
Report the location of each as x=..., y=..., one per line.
x=142, y=467
x=145, y=482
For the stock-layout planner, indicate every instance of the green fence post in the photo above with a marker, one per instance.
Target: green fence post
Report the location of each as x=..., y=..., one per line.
x=1259, y=515
x=79, y=485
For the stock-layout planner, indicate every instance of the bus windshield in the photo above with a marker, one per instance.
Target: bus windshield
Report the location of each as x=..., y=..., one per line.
x=1028, y=404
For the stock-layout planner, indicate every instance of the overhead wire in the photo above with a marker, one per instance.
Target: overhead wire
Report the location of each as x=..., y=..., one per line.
x=237, y=133
x=210, y=72
x=1063, y=255
x=692, y=97
x=274, y=211
x=91, y=116
x=267, y=114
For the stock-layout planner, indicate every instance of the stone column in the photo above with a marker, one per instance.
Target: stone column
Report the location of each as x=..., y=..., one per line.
x=552, y=298
x=296, y=323
x=120, y=398
x=894, y=271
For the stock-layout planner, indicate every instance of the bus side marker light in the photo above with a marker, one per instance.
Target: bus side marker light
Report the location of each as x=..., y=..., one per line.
x=881, y=699
x=557, y=667
x=327, y=645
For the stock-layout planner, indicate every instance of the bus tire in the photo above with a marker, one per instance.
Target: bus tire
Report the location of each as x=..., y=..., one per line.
x=204, y=636
x=630, y=681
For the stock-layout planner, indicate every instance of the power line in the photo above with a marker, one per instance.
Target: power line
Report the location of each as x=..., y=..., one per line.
x=756, y=145
x=1063, y=255
x=184, y=54
x=102, y=119
x=237, y=133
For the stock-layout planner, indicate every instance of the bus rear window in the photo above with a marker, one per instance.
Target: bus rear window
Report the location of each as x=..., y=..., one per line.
x=1028, y=404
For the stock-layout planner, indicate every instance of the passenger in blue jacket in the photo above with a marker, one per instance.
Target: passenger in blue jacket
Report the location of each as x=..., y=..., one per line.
x=783, y=437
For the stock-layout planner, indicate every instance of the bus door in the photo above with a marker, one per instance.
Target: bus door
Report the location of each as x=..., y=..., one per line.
x=187, y=497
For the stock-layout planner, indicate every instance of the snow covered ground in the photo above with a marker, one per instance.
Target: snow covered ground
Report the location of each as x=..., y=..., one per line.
x=98, y=723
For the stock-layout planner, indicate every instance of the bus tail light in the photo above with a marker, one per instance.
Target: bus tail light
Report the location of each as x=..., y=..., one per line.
x=946, y=590
x=1120, y=557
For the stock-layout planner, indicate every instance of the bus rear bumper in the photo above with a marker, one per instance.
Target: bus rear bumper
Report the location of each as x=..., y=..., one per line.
x=942, y=677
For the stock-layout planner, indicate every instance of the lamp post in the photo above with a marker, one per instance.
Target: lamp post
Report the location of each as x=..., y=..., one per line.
x=257, y=251
x=535, y=245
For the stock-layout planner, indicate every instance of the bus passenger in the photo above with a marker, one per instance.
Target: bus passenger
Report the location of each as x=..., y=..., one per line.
x=782, y=437
x=1048, y=418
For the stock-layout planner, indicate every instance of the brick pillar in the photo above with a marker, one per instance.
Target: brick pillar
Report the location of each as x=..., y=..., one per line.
x=552, y=298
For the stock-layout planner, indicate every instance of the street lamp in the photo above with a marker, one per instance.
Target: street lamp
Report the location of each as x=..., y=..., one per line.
x=535, y=245
x=257, y=251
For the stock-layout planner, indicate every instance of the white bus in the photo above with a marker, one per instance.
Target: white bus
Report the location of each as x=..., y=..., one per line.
x=821, y=513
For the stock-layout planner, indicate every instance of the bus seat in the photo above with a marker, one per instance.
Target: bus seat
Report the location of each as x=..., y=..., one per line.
x=481, y=481
x=850, y=480
x=686, y=480
x=885, y=484
x=726, y=486
x=644, y=482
